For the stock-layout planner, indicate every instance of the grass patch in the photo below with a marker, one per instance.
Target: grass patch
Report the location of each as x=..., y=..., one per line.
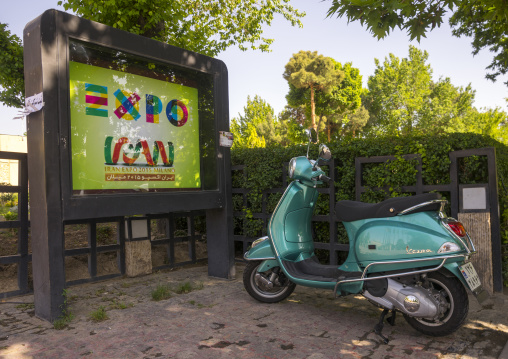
x=118, y=305
x=188, y=287
x=99, y=315
x=66, y=316
x=25, y=306
x=100, y=291
x=161, y=292
x=184, y=288
x=62, y=322
x=199, y=305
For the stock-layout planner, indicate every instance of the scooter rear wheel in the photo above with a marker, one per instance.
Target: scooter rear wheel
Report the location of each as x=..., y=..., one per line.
x=257, y=288
x=455, y=303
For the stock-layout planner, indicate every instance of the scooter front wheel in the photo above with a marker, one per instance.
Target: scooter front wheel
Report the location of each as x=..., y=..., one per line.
x=271, y=286
x=454, y=306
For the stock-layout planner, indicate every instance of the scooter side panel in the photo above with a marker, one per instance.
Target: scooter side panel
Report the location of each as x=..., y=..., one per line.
x=418, y=235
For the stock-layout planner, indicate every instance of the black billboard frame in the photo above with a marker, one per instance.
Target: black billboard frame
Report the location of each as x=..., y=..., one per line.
x=46, y=57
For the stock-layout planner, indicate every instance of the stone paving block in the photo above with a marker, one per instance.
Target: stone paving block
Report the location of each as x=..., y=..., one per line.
x=220, y=320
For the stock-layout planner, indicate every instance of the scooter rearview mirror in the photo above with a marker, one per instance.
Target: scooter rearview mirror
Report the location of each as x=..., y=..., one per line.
x=324, y=152
x=325, y=155
x=313, y=138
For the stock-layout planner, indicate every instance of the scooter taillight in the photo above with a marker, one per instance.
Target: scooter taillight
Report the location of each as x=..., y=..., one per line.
x=457, y=228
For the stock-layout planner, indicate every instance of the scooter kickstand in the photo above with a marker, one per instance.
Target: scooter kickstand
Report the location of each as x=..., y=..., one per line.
x=391, y=320
x=379, y=326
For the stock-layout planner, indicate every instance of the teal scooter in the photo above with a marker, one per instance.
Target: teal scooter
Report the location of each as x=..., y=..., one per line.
x=405, y=254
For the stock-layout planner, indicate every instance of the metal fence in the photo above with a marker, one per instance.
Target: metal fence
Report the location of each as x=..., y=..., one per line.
x=100, y=241
x=22, y=257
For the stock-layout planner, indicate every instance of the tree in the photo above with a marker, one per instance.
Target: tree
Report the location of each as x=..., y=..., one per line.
x=356, y=121
x=292, y=120
x=207, y=27
x=334, y=107
x=11, y=69
x=493, y=123
x=307, y=69
x=258, y=127
x=398, y=91
x=483, y=20
x=196, y=25
x=342, y=102
x=404, y=100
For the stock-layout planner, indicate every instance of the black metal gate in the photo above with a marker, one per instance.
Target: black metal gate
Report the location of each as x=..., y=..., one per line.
x=22, y=258
x=178, y=228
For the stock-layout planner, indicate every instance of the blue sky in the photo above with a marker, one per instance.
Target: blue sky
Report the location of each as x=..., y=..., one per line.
x=257, y=73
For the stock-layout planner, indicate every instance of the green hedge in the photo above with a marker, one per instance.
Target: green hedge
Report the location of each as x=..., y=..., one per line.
x=263, y=170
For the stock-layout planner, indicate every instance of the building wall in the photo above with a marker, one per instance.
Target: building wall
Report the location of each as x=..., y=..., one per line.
x=9, y=168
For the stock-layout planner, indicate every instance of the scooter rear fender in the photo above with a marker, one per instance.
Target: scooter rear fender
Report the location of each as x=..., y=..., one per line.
x=453, y=269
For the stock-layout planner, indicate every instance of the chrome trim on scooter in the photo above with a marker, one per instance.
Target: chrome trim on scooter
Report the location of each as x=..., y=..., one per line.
x=363, y=278
x=409, y=261
x=407, y=210
x=444, y=223
x=256, y=259
x=259, y=240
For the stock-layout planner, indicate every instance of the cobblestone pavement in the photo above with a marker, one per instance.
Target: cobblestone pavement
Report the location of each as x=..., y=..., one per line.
x=218, y=319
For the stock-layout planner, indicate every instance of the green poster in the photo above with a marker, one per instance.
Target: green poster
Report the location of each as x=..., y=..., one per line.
x=132, y=132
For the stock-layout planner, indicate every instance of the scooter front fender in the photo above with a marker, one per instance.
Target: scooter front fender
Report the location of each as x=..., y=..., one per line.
x=261, y=251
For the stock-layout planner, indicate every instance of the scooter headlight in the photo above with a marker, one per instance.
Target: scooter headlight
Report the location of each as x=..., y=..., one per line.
x=292, y=167
x=448, y=247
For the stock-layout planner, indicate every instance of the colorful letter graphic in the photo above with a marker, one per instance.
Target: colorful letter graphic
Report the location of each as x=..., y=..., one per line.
x=127, y=105
x=112, y=157
x=177, y=113
x=96, y=96
x=153, y=108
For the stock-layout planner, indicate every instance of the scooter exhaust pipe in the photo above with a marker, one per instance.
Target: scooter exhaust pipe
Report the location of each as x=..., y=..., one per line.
x=262, y=281
x=412, y=300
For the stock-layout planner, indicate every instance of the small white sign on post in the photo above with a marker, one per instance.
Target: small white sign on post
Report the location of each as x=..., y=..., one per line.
x=34, y=103
x=474, y=198
x=226, y=139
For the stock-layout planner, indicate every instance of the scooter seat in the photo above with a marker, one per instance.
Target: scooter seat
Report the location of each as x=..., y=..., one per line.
x=349, y=211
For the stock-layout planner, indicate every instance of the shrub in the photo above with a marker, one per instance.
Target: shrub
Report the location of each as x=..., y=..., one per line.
x=264, y=166
x=11, y=216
